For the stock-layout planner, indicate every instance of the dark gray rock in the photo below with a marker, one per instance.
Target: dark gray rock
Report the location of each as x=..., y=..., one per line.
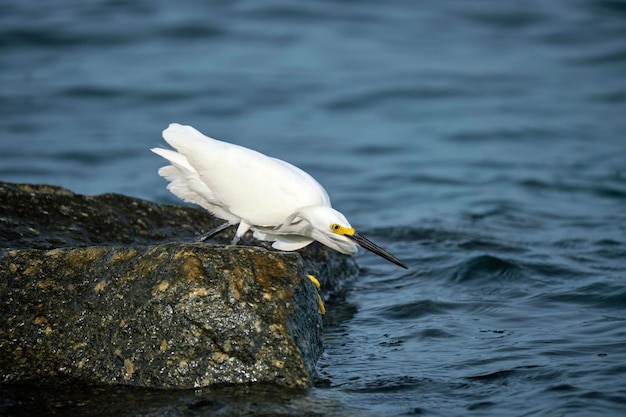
x=47, y=217
x=100, y=288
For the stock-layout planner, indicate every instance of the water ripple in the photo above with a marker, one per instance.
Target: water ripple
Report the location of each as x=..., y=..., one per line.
x=387, y=384
x=385, y=94
x=45, y=38
x=486, y=269
x=416, y=309
x=601, y=295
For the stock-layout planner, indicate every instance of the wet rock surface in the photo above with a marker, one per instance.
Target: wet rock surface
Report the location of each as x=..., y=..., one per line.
x=112, y=289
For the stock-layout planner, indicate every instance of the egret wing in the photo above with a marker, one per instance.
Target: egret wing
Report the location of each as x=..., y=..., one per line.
x=246, y=183
x=283, y=242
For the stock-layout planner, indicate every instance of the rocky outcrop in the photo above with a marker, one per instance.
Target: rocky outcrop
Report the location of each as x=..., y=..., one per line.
x=112, y=289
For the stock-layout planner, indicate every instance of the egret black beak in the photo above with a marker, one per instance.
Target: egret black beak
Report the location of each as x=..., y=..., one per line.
x=372, y=247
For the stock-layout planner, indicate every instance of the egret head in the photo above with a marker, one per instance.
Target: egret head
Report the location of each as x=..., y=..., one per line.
x=331, y=228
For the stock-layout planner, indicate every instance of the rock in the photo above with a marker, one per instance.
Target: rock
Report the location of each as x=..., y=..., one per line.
x=47, y=217
x=167, y=316
x=105, y=289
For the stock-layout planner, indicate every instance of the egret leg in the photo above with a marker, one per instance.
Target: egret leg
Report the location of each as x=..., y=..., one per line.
x=320, y=303
x=241, y=230
x=213, y=232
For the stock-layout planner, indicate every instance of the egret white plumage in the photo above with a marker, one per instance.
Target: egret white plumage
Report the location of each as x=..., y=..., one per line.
x=278, y=201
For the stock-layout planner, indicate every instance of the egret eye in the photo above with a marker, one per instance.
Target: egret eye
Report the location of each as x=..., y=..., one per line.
x=335, y=227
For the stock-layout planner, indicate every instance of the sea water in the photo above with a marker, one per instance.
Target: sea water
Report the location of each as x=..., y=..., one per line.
x=481, y=142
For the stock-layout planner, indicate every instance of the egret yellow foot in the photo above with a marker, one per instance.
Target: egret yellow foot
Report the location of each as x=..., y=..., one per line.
x=315, y=281
x=319, y=297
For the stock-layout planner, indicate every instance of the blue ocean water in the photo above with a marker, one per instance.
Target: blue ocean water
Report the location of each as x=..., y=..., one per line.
x=481, y=142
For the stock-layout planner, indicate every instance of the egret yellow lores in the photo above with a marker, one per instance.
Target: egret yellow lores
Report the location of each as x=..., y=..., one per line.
x=279, y=202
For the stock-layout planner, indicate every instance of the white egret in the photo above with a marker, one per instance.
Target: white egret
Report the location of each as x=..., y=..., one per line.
x=278, y=201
